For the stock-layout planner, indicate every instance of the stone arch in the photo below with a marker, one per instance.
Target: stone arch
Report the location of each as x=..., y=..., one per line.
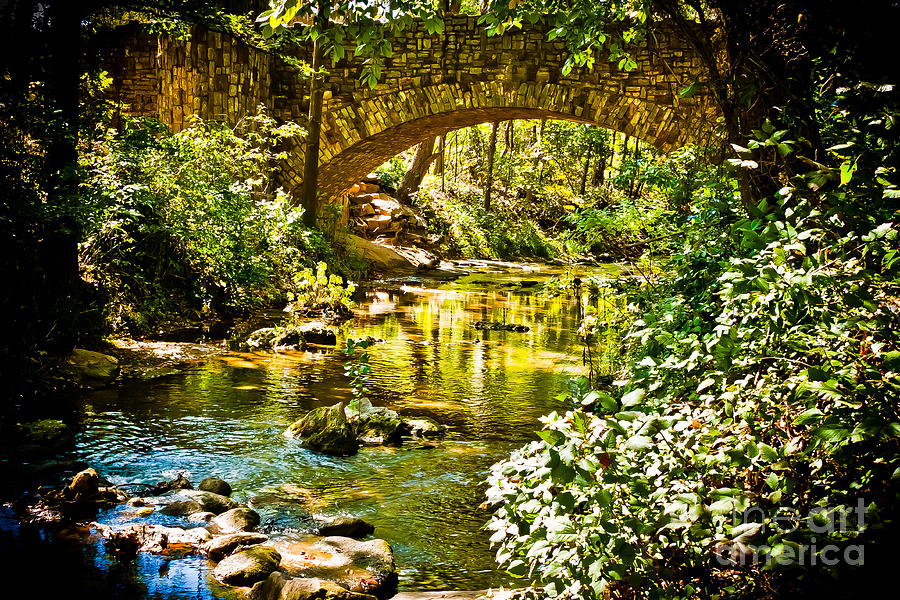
x=359, y=138
x=432, y=84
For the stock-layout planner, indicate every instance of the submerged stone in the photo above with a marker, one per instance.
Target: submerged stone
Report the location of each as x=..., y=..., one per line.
x=46, y=436
x=181, y=508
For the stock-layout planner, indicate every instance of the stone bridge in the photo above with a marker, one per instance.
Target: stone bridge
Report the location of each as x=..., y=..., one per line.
x=431, y=85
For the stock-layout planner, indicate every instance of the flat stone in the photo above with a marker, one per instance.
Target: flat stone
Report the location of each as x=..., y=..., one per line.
x=90, y=368
x=380, y=257
x=363, y=567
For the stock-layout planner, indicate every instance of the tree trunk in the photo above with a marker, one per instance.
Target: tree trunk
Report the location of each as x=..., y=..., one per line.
x=441, y=166
x=309, y=195
x=584, y=174
x=423, y=158
x=599, y=172
x=439, y=161
x=492, y=149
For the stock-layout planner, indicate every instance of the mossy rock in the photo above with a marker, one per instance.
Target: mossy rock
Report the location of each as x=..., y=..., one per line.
x=325, y=429
x=91, y=369
x=46, y=436
x=248, y=566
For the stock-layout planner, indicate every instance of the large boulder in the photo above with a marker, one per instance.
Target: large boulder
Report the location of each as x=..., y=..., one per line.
x=286, y=337
x=380, y=257
x=221, y=546
x=375, y=425
x=84, y=485
x=362, y=567
x=248, y=566
x=210, y=502
x=91, y=369
x=236, y=519
x=215, y=485
x=325, y=429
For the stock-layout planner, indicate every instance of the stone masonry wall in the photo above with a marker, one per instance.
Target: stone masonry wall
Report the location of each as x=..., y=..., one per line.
x=431, y=85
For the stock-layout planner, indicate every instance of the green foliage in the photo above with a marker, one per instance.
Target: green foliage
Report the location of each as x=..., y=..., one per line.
x=350, y=26
x=757, y=428
x=317, y=290
x=472, y=232
x=391, y=173
x=358, y=368
x=613, y=227
x=587, y=27
x=761, y=378
x=188, y=222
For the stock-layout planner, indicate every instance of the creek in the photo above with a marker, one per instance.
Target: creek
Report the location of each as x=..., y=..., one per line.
x=226, y=418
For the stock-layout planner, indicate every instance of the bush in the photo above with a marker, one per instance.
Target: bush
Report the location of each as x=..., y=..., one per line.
x=472, y=232
x=765, y=382
x=188, y=223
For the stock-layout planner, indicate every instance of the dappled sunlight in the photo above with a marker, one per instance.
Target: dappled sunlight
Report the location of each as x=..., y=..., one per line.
x=487, y=386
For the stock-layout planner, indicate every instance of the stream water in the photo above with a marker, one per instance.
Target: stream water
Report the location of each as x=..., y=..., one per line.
x=226, y=417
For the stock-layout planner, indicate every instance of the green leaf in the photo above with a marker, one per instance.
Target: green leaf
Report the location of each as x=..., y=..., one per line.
x=690, y=90
x=632, y=398
x=639, y=442
x=768, y=453
x=813, y=415
x=848, y=168
x=705, y=384
x=832, y=433
x=562, y=474
x=552, y=436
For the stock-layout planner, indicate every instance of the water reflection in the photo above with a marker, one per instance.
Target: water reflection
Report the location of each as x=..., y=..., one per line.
x=226, y=419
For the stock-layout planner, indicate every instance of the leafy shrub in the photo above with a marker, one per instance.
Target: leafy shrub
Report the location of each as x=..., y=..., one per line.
x=764, y=382
x=472, y=232
x=391, y=173
x=188, y=222
x=316, y=291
